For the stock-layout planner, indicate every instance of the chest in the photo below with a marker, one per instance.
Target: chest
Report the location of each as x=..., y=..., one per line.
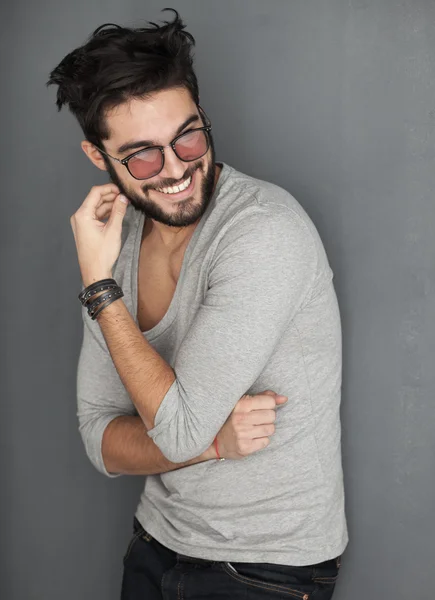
x=157, y=280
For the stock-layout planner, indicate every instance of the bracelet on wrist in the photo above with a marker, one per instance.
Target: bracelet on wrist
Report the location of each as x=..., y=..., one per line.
x=216, y=447
x=105, y=304
x=115, y=293
x=95, y=301
x=93, y=295
x=94, y=288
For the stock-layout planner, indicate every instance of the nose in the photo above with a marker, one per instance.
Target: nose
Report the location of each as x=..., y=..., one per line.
x=174, y=168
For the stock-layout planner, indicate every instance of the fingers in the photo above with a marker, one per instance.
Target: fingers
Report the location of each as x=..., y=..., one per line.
x=279, y=398
x=259, y=401
x=263, y=400
x=93, y=199
x=259, y=417
x=119, y=208
x=105, y=208
x=260, y=431
x=258, y=444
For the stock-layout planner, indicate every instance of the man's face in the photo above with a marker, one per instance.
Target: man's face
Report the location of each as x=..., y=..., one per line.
x=158, y=119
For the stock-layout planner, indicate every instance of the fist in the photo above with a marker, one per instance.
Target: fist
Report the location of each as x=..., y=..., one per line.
x=250, y=425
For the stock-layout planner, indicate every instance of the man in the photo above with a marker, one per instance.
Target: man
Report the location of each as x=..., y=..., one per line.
x=204, y=287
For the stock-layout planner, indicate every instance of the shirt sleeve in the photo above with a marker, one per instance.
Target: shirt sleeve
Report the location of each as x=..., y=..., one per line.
x=260, y=275
x=101, y=396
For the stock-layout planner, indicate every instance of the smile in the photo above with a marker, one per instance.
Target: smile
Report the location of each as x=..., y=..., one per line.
x=180, y=191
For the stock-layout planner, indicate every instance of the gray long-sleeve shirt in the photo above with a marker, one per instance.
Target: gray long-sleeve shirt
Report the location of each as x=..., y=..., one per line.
x=254, y=309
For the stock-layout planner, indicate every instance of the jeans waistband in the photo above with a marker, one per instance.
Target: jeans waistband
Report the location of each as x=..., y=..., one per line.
x=203, y=561
x=193, y=559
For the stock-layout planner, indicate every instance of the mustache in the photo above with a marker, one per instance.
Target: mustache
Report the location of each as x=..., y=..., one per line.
x=172, y=182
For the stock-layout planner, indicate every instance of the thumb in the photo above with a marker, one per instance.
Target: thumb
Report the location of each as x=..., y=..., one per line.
x=268, y=393
x=279, y=398
x=117, y=215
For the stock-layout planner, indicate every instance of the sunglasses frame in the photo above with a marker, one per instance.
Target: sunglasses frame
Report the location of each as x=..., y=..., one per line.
x=124, y=161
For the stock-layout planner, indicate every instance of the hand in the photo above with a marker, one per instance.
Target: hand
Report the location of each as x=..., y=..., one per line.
x=249, y=426
x=99, y=243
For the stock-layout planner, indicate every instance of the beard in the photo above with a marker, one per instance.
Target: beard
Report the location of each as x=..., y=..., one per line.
x=188, y=211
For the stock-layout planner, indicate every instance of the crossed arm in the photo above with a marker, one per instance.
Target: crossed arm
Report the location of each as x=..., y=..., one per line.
x=260, y=277
x=128, y=450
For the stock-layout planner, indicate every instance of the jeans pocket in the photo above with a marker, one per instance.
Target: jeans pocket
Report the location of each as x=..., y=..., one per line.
x=292, y=582
x=139, y=534
x=327, y=573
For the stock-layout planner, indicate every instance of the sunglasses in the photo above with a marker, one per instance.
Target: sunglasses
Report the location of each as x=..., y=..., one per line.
x=188, y=146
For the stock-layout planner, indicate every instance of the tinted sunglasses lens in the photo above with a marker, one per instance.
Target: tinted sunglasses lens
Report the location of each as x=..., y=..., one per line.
x=146, y=163
x=192, y=145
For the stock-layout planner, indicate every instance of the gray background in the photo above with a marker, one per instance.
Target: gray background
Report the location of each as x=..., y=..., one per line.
x=335, y=101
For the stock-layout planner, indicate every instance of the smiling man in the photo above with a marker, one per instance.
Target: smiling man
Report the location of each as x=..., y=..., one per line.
x=178, y=201
x=203, y=286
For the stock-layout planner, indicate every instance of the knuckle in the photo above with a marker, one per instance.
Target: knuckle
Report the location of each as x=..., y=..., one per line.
x=237, y=419
x=240, y=426
x=248, y=402
x=267, y=401
x=240, y=404
x=242, y=448
x=271, y=415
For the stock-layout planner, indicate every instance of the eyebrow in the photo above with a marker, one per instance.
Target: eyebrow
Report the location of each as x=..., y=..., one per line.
x=140, y=143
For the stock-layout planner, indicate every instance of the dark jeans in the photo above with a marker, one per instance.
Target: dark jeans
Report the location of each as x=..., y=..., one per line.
x=153, y=572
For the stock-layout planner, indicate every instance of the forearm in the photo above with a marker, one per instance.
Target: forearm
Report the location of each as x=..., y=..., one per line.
x=146, y=376
x=127, y=449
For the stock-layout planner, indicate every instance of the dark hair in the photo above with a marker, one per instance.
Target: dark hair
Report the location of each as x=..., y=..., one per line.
x=118, y=63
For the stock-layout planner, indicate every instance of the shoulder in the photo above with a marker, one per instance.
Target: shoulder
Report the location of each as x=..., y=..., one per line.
x=249, y=206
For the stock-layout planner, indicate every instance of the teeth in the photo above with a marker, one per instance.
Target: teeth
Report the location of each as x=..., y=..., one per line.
x=176, y=188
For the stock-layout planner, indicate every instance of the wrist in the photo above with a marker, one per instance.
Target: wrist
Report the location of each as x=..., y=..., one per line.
x=90, y=278
x=210, y=453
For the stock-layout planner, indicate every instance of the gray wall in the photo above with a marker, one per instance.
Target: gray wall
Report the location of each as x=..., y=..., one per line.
x=335, y=101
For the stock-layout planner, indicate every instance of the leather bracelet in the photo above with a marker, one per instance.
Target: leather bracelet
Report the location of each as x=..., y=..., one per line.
x=116, y=293
x=103, y=306
x=87, y=303
x=93, y=288
x=108, y=294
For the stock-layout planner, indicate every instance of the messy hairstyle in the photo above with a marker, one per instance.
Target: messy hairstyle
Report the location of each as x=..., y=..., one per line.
x=117, y=64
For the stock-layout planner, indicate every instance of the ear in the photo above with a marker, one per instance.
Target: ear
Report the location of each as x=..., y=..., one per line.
x=93, y=154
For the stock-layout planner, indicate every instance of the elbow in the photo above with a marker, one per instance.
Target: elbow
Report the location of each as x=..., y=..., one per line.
x=92, y=432
x=179, y=433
